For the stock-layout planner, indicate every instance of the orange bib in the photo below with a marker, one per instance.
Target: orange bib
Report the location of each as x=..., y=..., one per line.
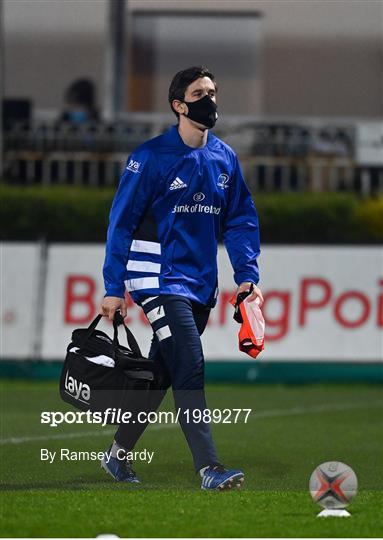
x=251, y=335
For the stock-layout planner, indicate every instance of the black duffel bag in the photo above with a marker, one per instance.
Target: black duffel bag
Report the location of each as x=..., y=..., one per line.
x=99, y=373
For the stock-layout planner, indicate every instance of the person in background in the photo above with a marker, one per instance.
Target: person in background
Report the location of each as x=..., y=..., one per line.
x=80, y=103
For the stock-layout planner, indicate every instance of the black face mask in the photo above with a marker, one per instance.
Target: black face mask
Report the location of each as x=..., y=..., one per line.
x=203, y=111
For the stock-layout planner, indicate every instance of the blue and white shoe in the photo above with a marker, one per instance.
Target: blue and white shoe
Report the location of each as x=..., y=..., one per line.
x=217, y=477
x=120, y=469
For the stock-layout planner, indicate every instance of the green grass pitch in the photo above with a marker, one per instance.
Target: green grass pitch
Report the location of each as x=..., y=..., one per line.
x=291, y=430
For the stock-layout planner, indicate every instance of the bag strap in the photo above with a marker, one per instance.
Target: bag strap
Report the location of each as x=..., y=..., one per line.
x=90, y=329
x=118, y=319
x=133, y=345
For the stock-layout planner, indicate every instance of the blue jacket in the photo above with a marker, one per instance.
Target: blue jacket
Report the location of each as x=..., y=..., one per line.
x=172, y=205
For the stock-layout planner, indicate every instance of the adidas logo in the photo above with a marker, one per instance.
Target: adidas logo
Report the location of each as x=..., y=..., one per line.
x=177, y=184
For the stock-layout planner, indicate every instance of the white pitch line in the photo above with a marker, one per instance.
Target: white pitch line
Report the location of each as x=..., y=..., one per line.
x=55, y=437
x=72, y=435
x=276, y=413
x=325, y=407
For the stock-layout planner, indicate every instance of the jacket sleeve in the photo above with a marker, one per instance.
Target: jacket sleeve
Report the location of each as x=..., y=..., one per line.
x=134, y=195
x=241, y=230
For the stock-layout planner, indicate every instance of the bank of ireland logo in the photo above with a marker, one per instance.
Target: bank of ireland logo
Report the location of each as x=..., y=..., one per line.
x=223, y=181
x=198, y=197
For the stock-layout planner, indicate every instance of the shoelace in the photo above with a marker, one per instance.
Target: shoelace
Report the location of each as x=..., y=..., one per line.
x=129, y=469
x=219, y=468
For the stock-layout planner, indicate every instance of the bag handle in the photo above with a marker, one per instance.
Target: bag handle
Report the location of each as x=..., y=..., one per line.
x=118, y=319
x=133, y=345
x=90, y=329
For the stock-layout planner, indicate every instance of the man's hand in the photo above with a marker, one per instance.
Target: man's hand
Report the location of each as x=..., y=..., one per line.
x=110, y=305
x=245, y=286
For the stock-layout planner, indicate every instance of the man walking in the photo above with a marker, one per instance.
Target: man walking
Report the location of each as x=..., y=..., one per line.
x=179, y=193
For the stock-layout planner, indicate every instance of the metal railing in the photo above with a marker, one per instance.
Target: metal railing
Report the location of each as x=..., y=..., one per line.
x=273, y=157
x=312, y=173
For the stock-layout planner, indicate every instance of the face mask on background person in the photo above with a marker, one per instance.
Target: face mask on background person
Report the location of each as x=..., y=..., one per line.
x=203, y=111
x=78, y=117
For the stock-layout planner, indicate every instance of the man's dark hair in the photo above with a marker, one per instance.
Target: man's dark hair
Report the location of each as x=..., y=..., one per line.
x=182, y=79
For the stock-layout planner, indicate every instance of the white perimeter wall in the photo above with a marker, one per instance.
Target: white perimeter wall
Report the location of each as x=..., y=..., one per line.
x=321, y=303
